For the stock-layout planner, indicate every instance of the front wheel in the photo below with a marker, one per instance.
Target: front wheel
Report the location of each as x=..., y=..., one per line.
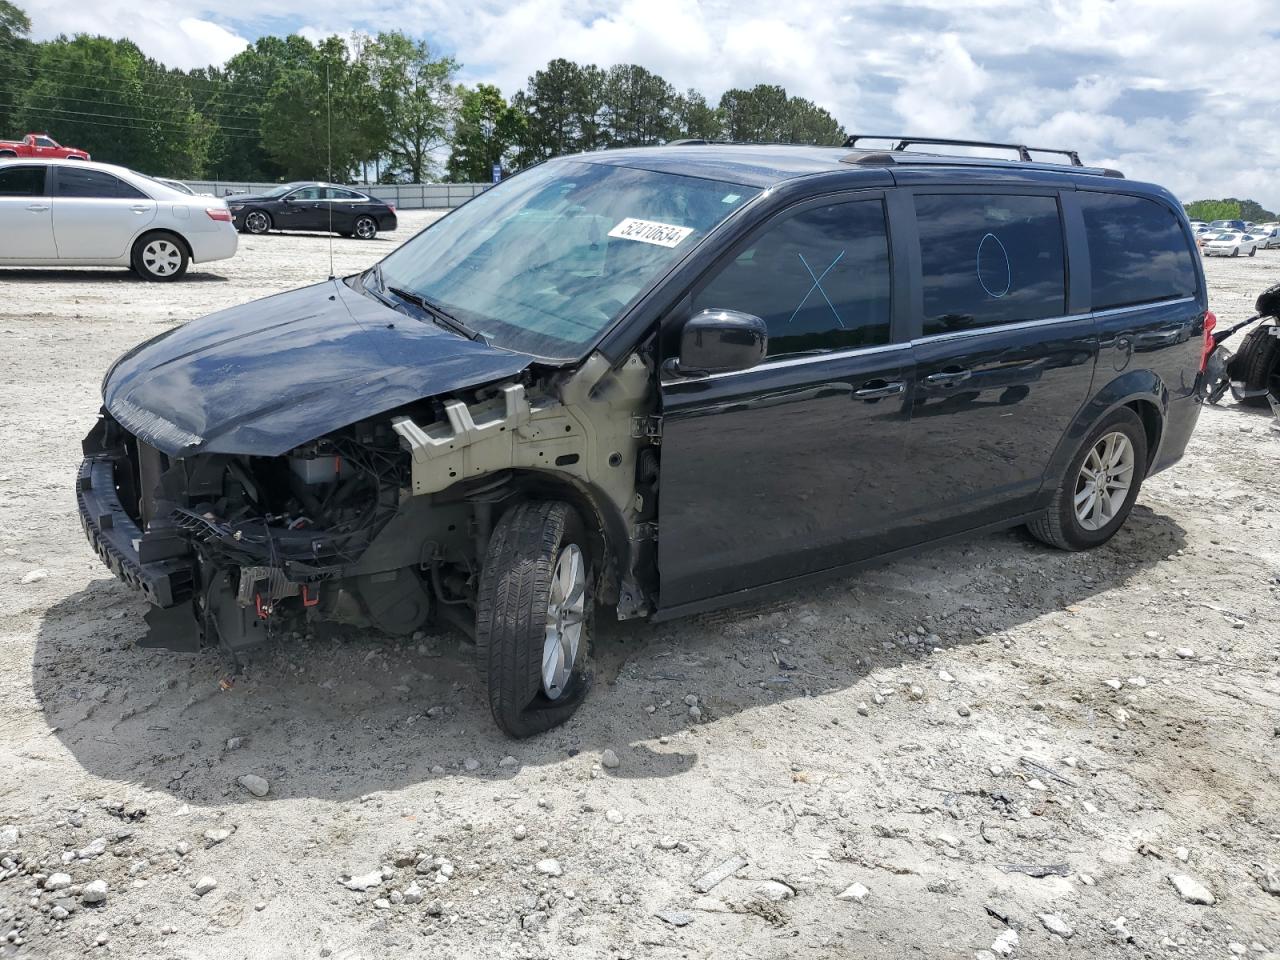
x=1099, y=487
x=1253, y=251
x=366, y=228
x=160, y=256
x=533, y=617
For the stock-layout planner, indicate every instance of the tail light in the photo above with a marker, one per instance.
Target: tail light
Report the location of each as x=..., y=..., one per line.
x=218, y=213
x=391, y=207
x=1210, y=321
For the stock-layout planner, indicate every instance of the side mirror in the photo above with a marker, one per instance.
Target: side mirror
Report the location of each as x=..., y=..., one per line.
x=720, y=341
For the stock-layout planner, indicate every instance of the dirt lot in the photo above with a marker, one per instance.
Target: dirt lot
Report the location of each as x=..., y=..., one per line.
x=937, y=731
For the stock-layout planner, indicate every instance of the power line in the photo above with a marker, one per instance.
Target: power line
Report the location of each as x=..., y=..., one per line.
x=138, y=123
x=116, y=103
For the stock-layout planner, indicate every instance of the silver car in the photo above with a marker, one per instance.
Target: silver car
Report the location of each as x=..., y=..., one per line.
x=78, y=213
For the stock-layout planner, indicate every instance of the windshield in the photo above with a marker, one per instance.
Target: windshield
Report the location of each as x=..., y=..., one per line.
x=545, y=262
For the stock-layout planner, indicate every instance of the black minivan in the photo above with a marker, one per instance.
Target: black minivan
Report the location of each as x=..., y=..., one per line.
x=655, y=381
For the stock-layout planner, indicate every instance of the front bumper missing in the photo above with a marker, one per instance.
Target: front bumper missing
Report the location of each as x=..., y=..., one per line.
x=166, y=581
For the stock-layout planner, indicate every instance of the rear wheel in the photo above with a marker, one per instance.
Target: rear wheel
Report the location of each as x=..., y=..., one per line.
x=366, y=228
x=533, y=617
x=160, y=256
x=1257, y=363
x=1253, y=251
x=1099, y=486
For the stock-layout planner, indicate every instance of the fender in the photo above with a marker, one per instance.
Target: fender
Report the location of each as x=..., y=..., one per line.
x=1128, y=386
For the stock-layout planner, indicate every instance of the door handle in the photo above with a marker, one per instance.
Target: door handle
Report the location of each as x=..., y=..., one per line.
x=878, y=389
x=38, y=207
x=139, y=208
x=947, y=378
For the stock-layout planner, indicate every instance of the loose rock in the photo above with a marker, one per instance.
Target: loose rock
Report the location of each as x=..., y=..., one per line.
x=94, y=892
x=1055, y=924
x=550, y=867
x=855, y=892
x=1191, y=890
x=255, y=785
x=609, y=759
x=57, y=881
x=204, y=885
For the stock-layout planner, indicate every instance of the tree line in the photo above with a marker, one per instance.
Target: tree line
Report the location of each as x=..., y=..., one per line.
x=1229, y=209
x=383, y=108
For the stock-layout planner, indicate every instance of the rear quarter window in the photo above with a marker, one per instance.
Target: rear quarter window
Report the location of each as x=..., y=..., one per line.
x=1137, y=251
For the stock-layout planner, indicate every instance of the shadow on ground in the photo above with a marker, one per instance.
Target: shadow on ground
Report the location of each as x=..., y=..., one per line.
x=98, y=275
x=356, y=714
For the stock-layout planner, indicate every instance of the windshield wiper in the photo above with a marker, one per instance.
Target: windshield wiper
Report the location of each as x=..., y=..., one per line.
x=441, y=316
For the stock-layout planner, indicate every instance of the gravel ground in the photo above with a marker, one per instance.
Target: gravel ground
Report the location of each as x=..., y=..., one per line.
x=991, y=749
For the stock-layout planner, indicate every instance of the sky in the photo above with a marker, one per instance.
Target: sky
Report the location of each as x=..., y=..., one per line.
x=1181, y=92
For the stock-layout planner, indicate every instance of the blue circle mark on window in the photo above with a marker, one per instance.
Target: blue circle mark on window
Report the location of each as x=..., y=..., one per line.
x=994, y=272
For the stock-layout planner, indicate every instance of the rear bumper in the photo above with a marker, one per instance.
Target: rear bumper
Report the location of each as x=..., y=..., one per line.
x=117, y=540
x=387, y=222
x=220, y=244
x=1179, y=422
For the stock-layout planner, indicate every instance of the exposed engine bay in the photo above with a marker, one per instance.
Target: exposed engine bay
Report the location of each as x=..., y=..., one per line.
x=380, y=523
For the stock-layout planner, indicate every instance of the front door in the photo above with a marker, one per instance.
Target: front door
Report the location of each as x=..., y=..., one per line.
x=26, y=216
x=1002, y=368
x=799, y=464
x=301, y=210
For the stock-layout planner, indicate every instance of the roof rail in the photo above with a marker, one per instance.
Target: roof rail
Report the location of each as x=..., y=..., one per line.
x=1023, y=151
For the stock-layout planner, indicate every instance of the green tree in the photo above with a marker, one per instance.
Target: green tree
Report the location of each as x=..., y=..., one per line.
x=637, y=106
x=485, y=133
x=693, y=117
x=418, y=100
x=103, y=95
x=321, y=117
x=1208, y=210
x=235, y=96
x=765, y=114
x=561, y=108
x=15, y=54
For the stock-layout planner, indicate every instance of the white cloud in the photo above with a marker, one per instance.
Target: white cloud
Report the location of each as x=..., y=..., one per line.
x=1170, y=90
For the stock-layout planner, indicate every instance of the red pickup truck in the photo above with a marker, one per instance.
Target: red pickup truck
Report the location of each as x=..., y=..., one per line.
x=40, y=145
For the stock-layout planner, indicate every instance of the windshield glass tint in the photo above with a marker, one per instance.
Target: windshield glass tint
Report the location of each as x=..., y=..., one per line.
x=546, y=261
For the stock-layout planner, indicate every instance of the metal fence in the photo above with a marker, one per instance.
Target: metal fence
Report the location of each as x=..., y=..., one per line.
x=405, y=196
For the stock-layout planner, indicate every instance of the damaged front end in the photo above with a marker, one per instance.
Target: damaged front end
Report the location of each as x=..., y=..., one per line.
x=382, y=523
x=225, y=547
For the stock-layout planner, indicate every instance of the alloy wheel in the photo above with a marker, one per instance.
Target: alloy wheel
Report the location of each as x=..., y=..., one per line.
x=566, y=612
x=366, y=228
x=256, y=222
x=161, y=257
x=1104, y=481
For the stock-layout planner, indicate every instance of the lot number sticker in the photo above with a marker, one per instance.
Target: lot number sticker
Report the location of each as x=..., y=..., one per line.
x=650, y=231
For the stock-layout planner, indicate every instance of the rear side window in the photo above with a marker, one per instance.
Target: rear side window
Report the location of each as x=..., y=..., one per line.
x=95, y=184
x=989, y=259
x=22, y=181
x=1137, y=251
x=819, y=278
x=335, y=194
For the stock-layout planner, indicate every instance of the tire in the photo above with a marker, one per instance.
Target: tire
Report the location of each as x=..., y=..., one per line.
x=6, y=154
x=257, y=222
x=1060, y=526
x=1257, y=364
x=366, y=228
x=159, y=256
x=512, y=616
x=1253, y=251
x=1235, y=252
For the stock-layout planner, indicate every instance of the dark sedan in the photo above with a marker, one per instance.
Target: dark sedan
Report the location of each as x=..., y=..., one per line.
x=312, y=206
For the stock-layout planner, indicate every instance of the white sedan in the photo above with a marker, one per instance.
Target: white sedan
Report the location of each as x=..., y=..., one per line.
x=1230, y=244
x=83, y=214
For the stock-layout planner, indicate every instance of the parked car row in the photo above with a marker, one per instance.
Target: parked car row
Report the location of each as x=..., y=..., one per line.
x=74, y=212
x=1231, y=238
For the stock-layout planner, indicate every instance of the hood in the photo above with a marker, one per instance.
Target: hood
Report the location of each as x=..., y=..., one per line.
x=264, y=377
